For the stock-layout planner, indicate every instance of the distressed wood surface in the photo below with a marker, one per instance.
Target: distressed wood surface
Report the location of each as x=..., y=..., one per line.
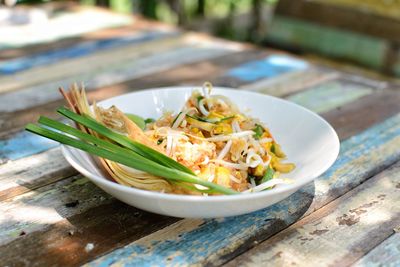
x=388, y=252
x=351, y=149
x=116, y=73
x=88, y=64
x=44, y=168
x=361, y=157
x=49, y=213
x=338, y=234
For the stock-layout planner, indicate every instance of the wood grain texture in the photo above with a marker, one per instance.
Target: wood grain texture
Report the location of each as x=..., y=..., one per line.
x=27, y=174
x=116, y=73
x=89, y=63
x=330, y=95
x=84, y=48
x=364, y=112
x=193, y=73
x=68, y=41
x=106, y=227
x=361, y=157
x=37, y=210
x=339, y=233
x=387, y=253
x=289, y=83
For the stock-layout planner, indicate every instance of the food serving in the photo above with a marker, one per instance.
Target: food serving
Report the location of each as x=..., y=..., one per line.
x=209, y=147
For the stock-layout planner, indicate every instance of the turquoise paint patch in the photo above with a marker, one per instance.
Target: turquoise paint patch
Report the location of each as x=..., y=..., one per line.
x=214, y=236
x=267, y=68
x=82, y=49
x=330, y=95
x=24, y=144
x=364, y=49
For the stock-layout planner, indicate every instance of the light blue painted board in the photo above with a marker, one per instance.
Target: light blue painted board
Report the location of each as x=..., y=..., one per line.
x=24, y=144
x=81, y=49
x=330, y=95
x=268, y=67
x=361, y=155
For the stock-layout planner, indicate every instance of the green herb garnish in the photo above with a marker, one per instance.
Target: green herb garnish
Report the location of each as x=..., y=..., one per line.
x=268, y=175
x=258, y=130
x=149, y=120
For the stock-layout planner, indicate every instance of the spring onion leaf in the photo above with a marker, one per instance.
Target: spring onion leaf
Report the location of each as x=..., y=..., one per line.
x=139, y=121
x=115, y=153
x=124, y=141
x=269, y=174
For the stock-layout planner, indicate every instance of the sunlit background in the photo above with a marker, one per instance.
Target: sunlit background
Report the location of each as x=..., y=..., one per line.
x=359, y=33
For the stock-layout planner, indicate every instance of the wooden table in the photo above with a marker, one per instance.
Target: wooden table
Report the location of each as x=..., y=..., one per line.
x=52, y=216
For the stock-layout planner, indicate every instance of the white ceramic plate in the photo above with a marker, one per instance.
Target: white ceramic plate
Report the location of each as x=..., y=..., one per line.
x=307, y=139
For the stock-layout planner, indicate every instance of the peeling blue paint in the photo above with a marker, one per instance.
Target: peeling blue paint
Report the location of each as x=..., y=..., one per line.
x=217, y=236
x=81, y=49
x=268, y=67
x=24, y=144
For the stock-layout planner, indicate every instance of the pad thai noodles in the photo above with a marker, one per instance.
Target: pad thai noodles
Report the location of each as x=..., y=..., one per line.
x=210, y=137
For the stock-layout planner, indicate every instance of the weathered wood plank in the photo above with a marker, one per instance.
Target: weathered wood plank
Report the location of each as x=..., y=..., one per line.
x=215, y=241
x=23, y=144
x=20, y=176
x=339, y=233
x=193, y=73
x=84, y=48
x=89, y=63
x=291, y=82
x=116, y=73
x=387, y=253
x=350, y=119
x=36, y=210
x=330, y=95
x=100, y=34
x=106, y=227
x=271, y=66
